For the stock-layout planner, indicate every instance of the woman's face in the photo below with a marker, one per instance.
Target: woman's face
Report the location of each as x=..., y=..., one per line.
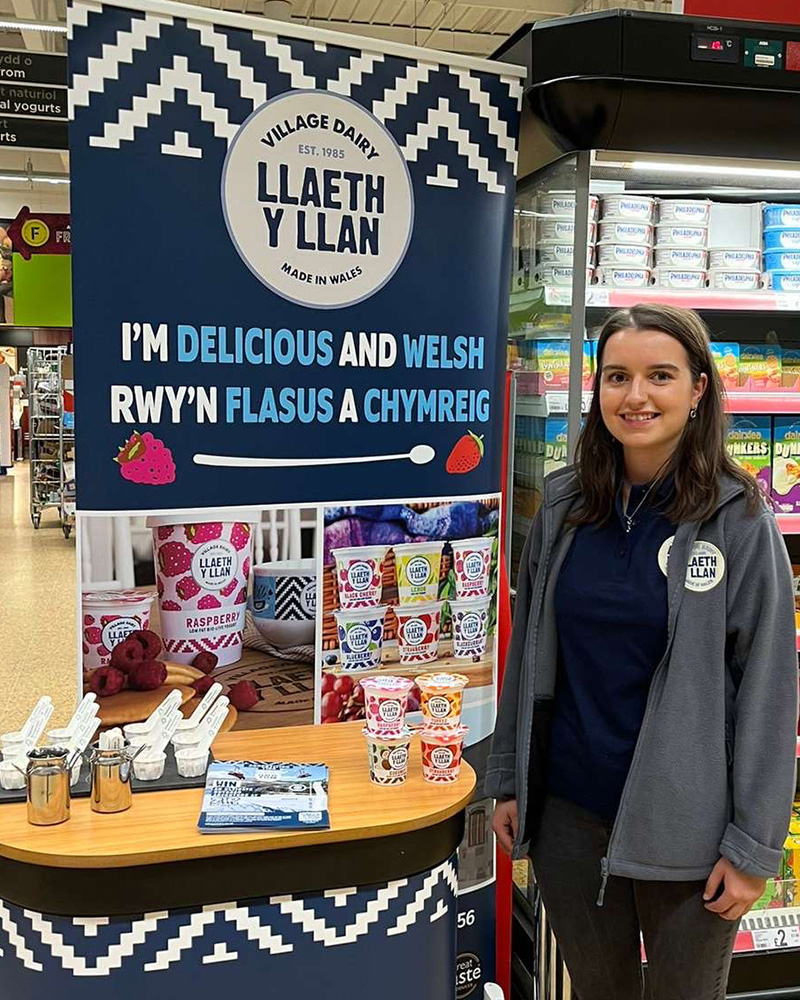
x=646, y=390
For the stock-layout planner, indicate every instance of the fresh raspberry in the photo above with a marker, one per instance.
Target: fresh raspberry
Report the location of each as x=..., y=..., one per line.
x=127, y=654
x=93, y=636
x=164, y=532
x=207, y=662
x=148, y=676
x=198, y=533
x=174, y=559
x=88, y=620
x=170, y=606
x=240, y=536
x=241, y=597
x=202, y=684
x=187, y=588
x=229, y=588
x=209, y=601
x=243, y=696
x=106, y=682
x=149, y=641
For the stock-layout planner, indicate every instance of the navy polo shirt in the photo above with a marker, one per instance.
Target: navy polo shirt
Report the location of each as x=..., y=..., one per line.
x=611, y=617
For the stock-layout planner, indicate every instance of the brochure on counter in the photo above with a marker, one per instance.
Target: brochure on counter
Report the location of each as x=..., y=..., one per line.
x=247, y=795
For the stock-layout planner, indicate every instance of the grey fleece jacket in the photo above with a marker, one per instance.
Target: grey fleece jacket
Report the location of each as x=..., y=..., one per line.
x=714, y=768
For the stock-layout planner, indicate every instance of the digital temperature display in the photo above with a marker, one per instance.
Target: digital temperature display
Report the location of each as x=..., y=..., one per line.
x=716, y=48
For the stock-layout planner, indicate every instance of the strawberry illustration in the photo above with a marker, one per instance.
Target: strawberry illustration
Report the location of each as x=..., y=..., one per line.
x=93, y=635
x=170, y=606
x=197, y=533
x=174, y=558
x=240, y=536
x=146, y=460
x=229, y=588
x=187, y=587
x=209, y=601
x=164, y=532
x=466, y=454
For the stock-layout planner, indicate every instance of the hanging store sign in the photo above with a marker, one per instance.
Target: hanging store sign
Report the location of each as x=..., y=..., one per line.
x=28, y=133
x=21, y=66
x=33, y=101
x=40, y=232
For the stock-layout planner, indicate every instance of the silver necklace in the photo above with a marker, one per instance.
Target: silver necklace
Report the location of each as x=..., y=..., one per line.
x=628, y=518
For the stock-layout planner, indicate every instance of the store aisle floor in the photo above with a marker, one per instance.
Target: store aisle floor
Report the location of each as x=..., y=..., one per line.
x=37, y=607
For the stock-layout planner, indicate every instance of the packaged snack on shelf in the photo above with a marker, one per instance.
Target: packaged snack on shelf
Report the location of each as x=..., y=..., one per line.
x=790, y=370
x=549, y=359
x=786, y=464
x=726, y=358
x=772, y=897
x=759, y=367
x=749, y=443
x=555, y=444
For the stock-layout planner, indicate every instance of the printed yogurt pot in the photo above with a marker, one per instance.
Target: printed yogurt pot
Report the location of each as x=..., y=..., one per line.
x=441, y=698
x=359, y=575
x=202, y=569
x=441, y=753
x=418, y=565
x=418, y=631
x=388, y=756
x=385, y=701
x=360, y=633
x=109, y=617
x=472, y=563
x=470, y=627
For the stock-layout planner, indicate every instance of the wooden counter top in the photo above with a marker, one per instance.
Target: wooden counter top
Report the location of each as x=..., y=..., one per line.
x=162, y=826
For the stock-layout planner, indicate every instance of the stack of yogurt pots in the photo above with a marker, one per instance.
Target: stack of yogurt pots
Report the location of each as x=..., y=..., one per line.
x=360, y=619
x=625, y=250
x=555, y=238
x=782, y=247
x=442, y=734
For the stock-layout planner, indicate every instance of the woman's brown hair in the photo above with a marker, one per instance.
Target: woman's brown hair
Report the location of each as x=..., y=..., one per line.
x=700, y=457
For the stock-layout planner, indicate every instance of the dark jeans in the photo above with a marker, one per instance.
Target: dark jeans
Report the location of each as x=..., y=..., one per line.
x=688, y=949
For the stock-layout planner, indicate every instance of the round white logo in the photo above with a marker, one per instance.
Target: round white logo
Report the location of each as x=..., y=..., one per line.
x=389, y=710
x=438, y=707
x=705, y=569
x=398, y=758
x=418, y=570
x=471, y=625
x=359, y=575
x=317, y=199
x=473, y=565
x=308, y=598
x=414, y=631
x=442, y=757
x=214, y=564
x=118, y=630
x=358, y=638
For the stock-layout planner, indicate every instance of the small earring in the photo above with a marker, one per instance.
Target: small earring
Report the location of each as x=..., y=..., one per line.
x=693, y=413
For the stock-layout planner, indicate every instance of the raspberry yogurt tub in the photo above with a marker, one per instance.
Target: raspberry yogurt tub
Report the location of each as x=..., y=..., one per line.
x=385, y=702
x=472, y=562
x=418, y=631
x=202, y=568
x=109, y=617
x=359, y=575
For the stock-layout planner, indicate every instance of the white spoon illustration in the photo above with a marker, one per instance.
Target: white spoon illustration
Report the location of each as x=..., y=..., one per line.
x=420, y=454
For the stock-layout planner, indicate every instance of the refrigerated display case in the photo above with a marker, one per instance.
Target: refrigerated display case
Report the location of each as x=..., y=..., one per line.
x=655, y=166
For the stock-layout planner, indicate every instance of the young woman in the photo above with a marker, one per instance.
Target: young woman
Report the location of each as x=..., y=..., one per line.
x=644, y=753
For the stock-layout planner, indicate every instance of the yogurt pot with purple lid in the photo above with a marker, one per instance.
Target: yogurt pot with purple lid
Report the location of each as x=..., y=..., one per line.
x=360, y=632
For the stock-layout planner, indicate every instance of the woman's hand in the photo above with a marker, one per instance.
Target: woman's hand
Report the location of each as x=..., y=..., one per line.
x=505, y=823
x=739, y=891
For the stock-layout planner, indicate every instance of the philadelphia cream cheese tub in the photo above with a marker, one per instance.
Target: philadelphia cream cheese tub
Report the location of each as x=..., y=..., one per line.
x=735, y=258
x=563, y=204
x=734, y=281
x=555, y=274
x=557, y=230
x=629, y=254
x=684, y=258
x=561, y=253
x=670, y=277
x=672, y=234
x=630, y=207
x=782, y=215
x=785, y=281
x=684, y=211
x=624, y=277
x=640, y=233
x=781, y=238
x=782, y=260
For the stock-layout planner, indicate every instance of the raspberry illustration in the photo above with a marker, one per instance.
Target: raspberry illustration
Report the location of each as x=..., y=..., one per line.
x=229, y=588
x=174, y=559
x=143, y=459
x=160, y=587
x=88, y=620
x=93, y=635
x=466, y=454
x=202, y=684
x=170, y=606
x=243, y=696
x=149, y=641
x=127, y=654
x=105, y=619
x=246, y=567
x=240, y=536
x=164, y=532
x=148, y=676
x=206, y=662
x=187, y=587
x=105, y=682
x=85, y=648
x=241, y=597
x=198, y=533
x=209, y=601
x=102, y=651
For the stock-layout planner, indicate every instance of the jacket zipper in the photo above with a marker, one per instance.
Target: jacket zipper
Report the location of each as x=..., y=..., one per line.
x=605, y=863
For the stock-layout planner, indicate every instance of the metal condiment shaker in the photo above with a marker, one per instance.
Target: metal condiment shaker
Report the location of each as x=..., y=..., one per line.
x=47, y=781
x=111, y=778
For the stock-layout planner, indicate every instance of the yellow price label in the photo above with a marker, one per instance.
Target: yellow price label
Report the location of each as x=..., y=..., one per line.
x=35, y=232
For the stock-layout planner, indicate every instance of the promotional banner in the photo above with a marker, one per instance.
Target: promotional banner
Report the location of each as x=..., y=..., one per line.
x=290, y=287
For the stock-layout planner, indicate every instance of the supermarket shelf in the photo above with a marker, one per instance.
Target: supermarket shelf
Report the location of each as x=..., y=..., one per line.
x=548, y=404
x=769, y=930
x=763, y=402
x=789, y=524
x=602, y=297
